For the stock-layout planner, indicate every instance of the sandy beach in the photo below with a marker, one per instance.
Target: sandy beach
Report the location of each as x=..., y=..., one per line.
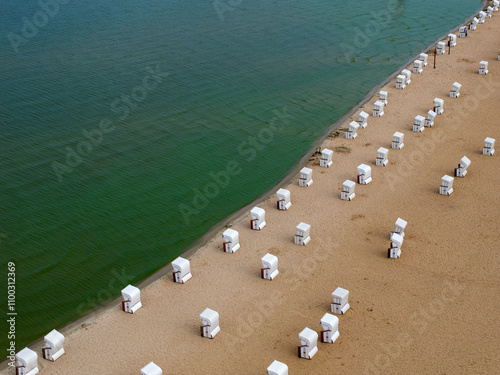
x=433, y=311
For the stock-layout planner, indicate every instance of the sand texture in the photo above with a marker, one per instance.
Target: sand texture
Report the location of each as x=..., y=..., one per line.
x=433, y=311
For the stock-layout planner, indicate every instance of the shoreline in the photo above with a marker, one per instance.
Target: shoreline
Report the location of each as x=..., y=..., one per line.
x=213, y=233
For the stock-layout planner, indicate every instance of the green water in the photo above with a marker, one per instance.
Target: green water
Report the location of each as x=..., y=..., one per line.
x=183, y=90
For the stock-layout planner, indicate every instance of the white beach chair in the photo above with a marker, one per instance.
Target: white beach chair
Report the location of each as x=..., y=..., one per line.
x=417, y=66
x=54, y=345
x=496, y=4
x=302, y=237
x=340, y=303
x=423, y=58
x=429, y=120
x=397, y=141
x=347, y=193
x=382, y=154
x=231, y=241
x=397, y=240
x=330, y=325
x=182, y=270
x=258, y=221
x=452, y=40
x=210, y=323
x=27, y=362
x=399, y=227
x=473, y=24
x=378, y=108
x=151, y=369
x=489, y=146
x=483, y=67
x=446, y=187
x=305, y=178
x=269, y=268
x=131, y=299
x=326, y=158
x=438, y=106
x=364, y=174
x=363, y=117
x=461, y=171
x=407, y=74
x=455, y=91
x=277, y=368
x=482, y=16
x=394, y=251
x=400, y=82
x=489, y=11
x=353, y=130
x=383, y=97
x=440, y=49
x=463, y=31
x=418, y=125
x=308, y=343
x=283, y=199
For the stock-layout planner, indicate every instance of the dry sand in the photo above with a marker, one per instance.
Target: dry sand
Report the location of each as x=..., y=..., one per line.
x=433, y=311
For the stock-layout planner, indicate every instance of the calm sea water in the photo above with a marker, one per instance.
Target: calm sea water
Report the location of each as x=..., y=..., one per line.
x=116, y=116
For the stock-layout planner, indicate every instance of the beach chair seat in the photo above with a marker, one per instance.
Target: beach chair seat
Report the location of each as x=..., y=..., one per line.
x=417, y=66
x=209, y=323
x=258, y=221
x=151, y=369
x=302, y=236
x=352, y=133
x=231, y=241
x=429, y=120
x=27, y=362
x=440, y=48
x=378, y=108
x=330, y=325
x=182, y=270
x=439, y=106
x=277, y=368
x=483, y=67
x=283, y=199
x=54, y=345
x=340, y=303
x=397, y=141
x=419, y=124
x=446, y=187
x=308, y=343
x=131, y=299
x=347, y=193
x=364, y=174
x=489, y=146
x=269, y=268
x=382, y=154
x=362, y=120
x=305, y=178
x=326, y=158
